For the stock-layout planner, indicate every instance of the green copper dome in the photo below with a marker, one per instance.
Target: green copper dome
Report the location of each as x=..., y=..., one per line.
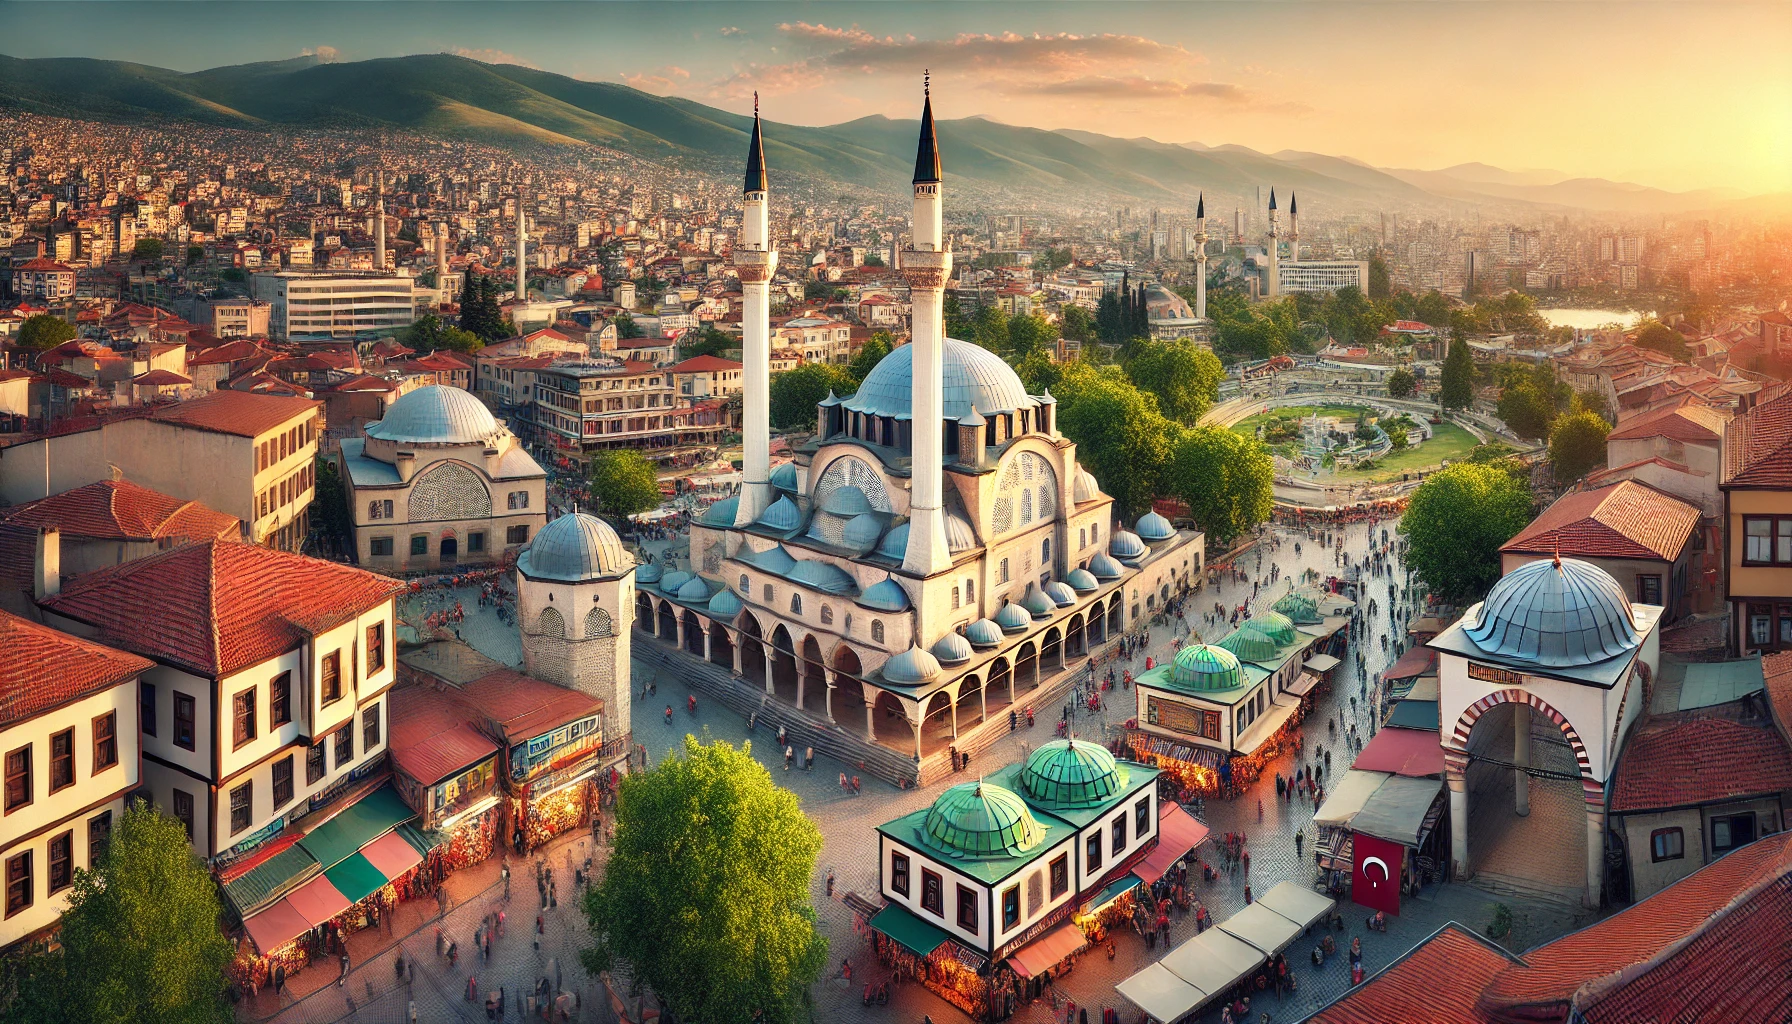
x=1248, y=645
x=1065, y=773
x=1298, y=607
x=978, y=819
x=1205, y=667
x=1272, y=624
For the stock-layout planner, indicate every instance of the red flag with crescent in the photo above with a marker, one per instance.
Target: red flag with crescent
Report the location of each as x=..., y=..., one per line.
x=1375, y=873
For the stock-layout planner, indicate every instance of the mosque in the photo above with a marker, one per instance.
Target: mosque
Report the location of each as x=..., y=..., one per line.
x=935, y=555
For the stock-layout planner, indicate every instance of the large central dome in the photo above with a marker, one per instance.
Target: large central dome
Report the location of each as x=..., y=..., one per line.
x=975, y=378
x=1554, y=613
x=436, y=414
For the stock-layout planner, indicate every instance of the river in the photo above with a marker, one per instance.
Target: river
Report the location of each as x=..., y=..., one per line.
x=1586, y=319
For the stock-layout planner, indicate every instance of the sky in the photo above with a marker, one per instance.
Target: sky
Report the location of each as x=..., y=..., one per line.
x=1678, y=95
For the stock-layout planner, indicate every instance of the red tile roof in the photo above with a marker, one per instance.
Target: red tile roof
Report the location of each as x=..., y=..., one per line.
x=433, y=736
x=1624, y=520
x=1758, y=446
x=1692, y=424
x=218, y=607
x=43, y=668
x=41, y=263
x=1776, y=670
x=521, y=707
x=1611, y=472
x=158, y=378
x=121, y=510
x=1438, y=982
x=705, y=364
x=1685, y=759
x=241, y=413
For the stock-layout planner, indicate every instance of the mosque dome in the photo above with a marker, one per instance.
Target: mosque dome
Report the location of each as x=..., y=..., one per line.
x=885, y=596
x=694, y=590
x=1102, y=567
x=975, y=378
x=983, y=633
x=1060, y=593
x=1064, y=774
x=1554, y=613
x=1153, y=528
x=1035, y=601
x=958, y=534
x=1126, y=546
x=721, y=513
x=724, y=605
x=1298, y=607
x=861, y=532
x=1248, y=645
x=436, y=414
x=649, y=573
x=823, y=576
x=1205, y=667
x=895, y=543
x=784, y=477
x=672, y=581
x=978, y=819
x=847, y=500
x=1013, y=618
x=951, y=649
x=1081, y=580
x=1084, y=487
x=773, y=559
x=1272, y=624
x=782, y=515
x=911, y=667
x=574, y=548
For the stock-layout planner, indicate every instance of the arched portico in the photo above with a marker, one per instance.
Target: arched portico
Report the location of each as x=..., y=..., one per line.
x=721, y=649
x=784, y=668
x=668, y=622
x=752, y=651
x=693, y=633
x=812, y=684
x=846, y=698
x=644, y=612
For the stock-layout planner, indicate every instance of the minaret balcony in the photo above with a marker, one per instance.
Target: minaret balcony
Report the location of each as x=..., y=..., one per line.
x=756, y=265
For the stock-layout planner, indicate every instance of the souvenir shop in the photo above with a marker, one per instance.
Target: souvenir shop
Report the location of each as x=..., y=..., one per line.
x=555, y=804
x=916, y=951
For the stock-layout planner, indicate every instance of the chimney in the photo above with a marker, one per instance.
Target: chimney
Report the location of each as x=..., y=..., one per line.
x=46, y=579
x=407, y=466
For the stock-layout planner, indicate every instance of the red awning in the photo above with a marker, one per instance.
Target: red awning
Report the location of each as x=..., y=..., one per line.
x=276, y=926
x=1415, y=662
x=1414, y=753
x=391, y=855
x=1047, y=951
x=318, y=900
x=1177, y=833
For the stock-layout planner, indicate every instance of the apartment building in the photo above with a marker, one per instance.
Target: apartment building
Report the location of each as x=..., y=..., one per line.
x=339, y=307
x=820, y=339
x=611, y=404
x=43, y=279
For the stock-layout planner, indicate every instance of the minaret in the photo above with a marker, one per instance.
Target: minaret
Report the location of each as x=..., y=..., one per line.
x=1293, y=228
x=1273, y=285
x=522, y=264
x=379, y=222
x=441, y=251
x=1201, y=258
x=755, y=261
x=926, y=265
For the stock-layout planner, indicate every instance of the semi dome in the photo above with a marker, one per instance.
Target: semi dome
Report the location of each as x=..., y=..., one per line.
x=885, y=596
x=1060, y=593
x=951, y=649
x=959, y=536
x=1205, y=667
x=1554, y=613
x=823, y=576
x=1102, y=567
x=895, y=543
x=1035, y=601
x=911, y=667
x=695, y=590
x=724, y=605
x=1272, y=624
x=1064, y=773
x=672, y=581
x=1248, y=645
x=773, y=559
x=983, y=633
x=784, y=477
x=649, y=573
x=1084, y=486
x=861, y=532
x=847, y=500
x=978, y=819
x=436, y=414
x=721, y=513
x=975, y=379
x=1126, y=545
x=1081, y=580
x=1153, y=527
x=1013, y=618
x=1298, y=607
x=782, y=515
x=574, y=548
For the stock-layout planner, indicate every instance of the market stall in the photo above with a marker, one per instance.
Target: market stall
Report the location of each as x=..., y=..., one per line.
x=1297, y=903
x=1214, y=961
x=1264, y=929
x=1161, y=994
x=1406, y=752
x=1178, y=834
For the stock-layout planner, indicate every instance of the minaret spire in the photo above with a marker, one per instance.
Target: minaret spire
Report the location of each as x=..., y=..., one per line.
x=522, y=265
x=1293, y=227
x=755, y=261
x=379, y=222
x=1273, y=285
x=1201, y=257
x=756, y=154
x=927, y=264
x=927, y=154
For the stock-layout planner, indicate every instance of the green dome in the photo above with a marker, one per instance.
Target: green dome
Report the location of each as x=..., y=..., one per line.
x=1298, y=607
x=1065, y=773
x=1248, y=645
x=977, y=819
x=1205, y=667
x=1272, y=624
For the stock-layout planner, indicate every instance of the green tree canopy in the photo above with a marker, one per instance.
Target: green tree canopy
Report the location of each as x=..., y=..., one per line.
x=1457, y=521
x=1378, y=278
x=623, y=482
x=149, y=249
x=797, y=391
x=1653, y=334
x=1120, y=435
x=1029, y=334
x=990, y=328
x=1456, y=386
x=139, y=942
x=1576, y=445
x=626, y=327
x=869, y=355
x=195, y=253
x=1184, y=376
x=1401, y=383
x=1224, y=477
x=958, y=325
x=873, y=259
x=708, y=340
x=1050, y=260
x=706, y=894
x=42, y=332
x=428, y=333
x=1076, y=323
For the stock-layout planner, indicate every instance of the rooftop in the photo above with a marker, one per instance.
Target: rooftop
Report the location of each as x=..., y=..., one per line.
x=1624, y=520
x=43, y=668
x=522, y=707
x=121, y=510
x=241, y=413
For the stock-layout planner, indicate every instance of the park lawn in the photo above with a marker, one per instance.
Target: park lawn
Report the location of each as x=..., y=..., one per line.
x=1248, y=426
x=1448, y=441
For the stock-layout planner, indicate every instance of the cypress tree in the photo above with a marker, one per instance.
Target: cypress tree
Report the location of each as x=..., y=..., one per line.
x=469, y=303
x=1456, y=388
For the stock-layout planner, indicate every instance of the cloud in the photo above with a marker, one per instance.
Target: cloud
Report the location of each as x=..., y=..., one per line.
x=488, y=55
x=732, y=30
x=663, y=80
x=1105, y=87
x=327, y=54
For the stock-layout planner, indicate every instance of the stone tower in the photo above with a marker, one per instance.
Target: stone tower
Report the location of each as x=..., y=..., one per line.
x=575, y=599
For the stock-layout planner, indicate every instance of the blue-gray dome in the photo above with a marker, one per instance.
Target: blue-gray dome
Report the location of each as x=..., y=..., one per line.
x=782, y=515
x=774, y=559
x=983, y=633
x=1035, y=601
x=721, y=513
x=436, y=414
x=649, y=573
x=1126, y=545
x=1083, y=487
x=975, y=379
x=861, y=532
x=847, y=500
x=1081, y=580
x=724, y=605
x=1554, y=613
x=1153, y=527
x=885, y=596
x=784, y=477
x=823, y=576
x=910, y=667
x=670, y=582
x=574, y=548
x=895, y=543
x=1060, y=593
x=951, y=649
x=1013, y=618
x=695, y=590
x=1104, y=568
x=958, y=534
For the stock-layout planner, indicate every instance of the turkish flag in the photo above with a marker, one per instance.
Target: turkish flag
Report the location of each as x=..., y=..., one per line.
x=1375, y=873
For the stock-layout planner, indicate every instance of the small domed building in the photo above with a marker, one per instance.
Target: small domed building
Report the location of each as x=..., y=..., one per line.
x=575, y=585
x=438, y=483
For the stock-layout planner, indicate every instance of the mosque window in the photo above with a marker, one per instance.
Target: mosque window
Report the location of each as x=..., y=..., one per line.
x=955, y=601
x=877, y=630
x=1026, y=507
x=746, y=585
x=1002, y=572
x=770, y=595
x=796, y=604
x=1045, y=551
x=449, y=491
x=598, y=624
x=1027, y=481
x=827, y=615
x=970, y=591
x=1082, y=539
x=1046, y=505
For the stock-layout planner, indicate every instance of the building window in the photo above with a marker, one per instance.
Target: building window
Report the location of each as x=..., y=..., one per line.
x=1060, y=875
x=280, y=700
x=379, y=546
x=62, y=862
x=1667, y=844
x=185, y=713
x=516, y=535
x=376, y=509
x=899, y=874
x=18, y=778
x=18, y=883
x=827, y=615
x=796, y=604
x=243, y=712
x=242, y=806
x=282, y=782
x=1141, y=817
x=1082, y=539
x=746, y=586
x=955, y=601
x=970, y=591
x=1767, y=540
x=967, y=908
x=1092, y=853
x=476, y=541
x=877, y=631
x=1648, y=589
x=370, y=727
x=1002, y=572
x=1731, y=831
x=183, y=811
x=1011, y=907
x=1035, y=892
x=146, y=707
x=1045, y=551
x=933, y=896
x=99, y=836
x=376, y=647
x=345, y=745
x=420, y=544
x=314, y=763
x=62, y=760
x=332, y=678
x=770, y=594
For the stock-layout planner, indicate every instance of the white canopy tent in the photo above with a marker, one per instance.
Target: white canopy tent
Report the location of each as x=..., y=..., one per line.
x=1263, y=928
x=1297, y=903
x=1161, y=994
x=1352, y=792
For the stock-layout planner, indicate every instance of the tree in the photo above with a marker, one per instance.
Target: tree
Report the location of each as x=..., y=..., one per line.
x=1029, y=334
x=1184, y=376
x=139, y=941
x=428, y=333
x=195, y=253
x=1457, y=521
x=1433, y=310
x=1224, y=477
x=626, y=327
x=957, y=324
x=797, y=391
x=43, y=332
x=1120, y=436
x=1076, y=323
x=1456, y=385
x=1653, y=334
x=1401, y=383
x=623, y=482
x=1576, y=445
x=990, y=328
x=1399, y=438
x=1591, y=400
x=873, y=259
x=1378, y=278
x=706, y=895
x=869, y=355
x=708, y=340
x=1525, y=410
x=147, y=249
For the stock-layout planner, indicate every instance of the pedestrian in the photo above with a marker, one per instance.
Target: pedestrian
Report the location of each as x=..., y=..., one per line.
x=279, y=978
x=789, y=753
x=505, y=874
x=808, y=759
x=1259, y=808
x=855, y=785
x=343, y=977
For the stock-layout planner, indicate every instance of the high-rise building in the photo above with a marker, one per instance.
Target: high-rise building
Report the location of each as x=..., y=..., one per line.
x=336, y=307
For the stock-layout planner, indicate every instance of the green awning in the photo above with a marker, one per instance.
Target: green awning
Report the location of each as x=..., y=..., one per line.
x=1414, y=714
x=356, y=878
x=361, y=823
x=423, y=841
x=282, y=871
x=1113, y=891
x=920, y=937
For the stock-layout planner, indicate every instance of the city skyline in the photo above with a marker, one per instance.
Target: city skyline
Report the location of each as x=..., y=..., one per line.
x=1261, y=76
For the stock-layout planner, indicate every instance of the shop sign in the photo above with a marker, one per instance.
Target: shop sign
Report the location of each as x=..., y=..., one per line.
x=1495, y=674
x=1038, y=928
x=529, y=756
